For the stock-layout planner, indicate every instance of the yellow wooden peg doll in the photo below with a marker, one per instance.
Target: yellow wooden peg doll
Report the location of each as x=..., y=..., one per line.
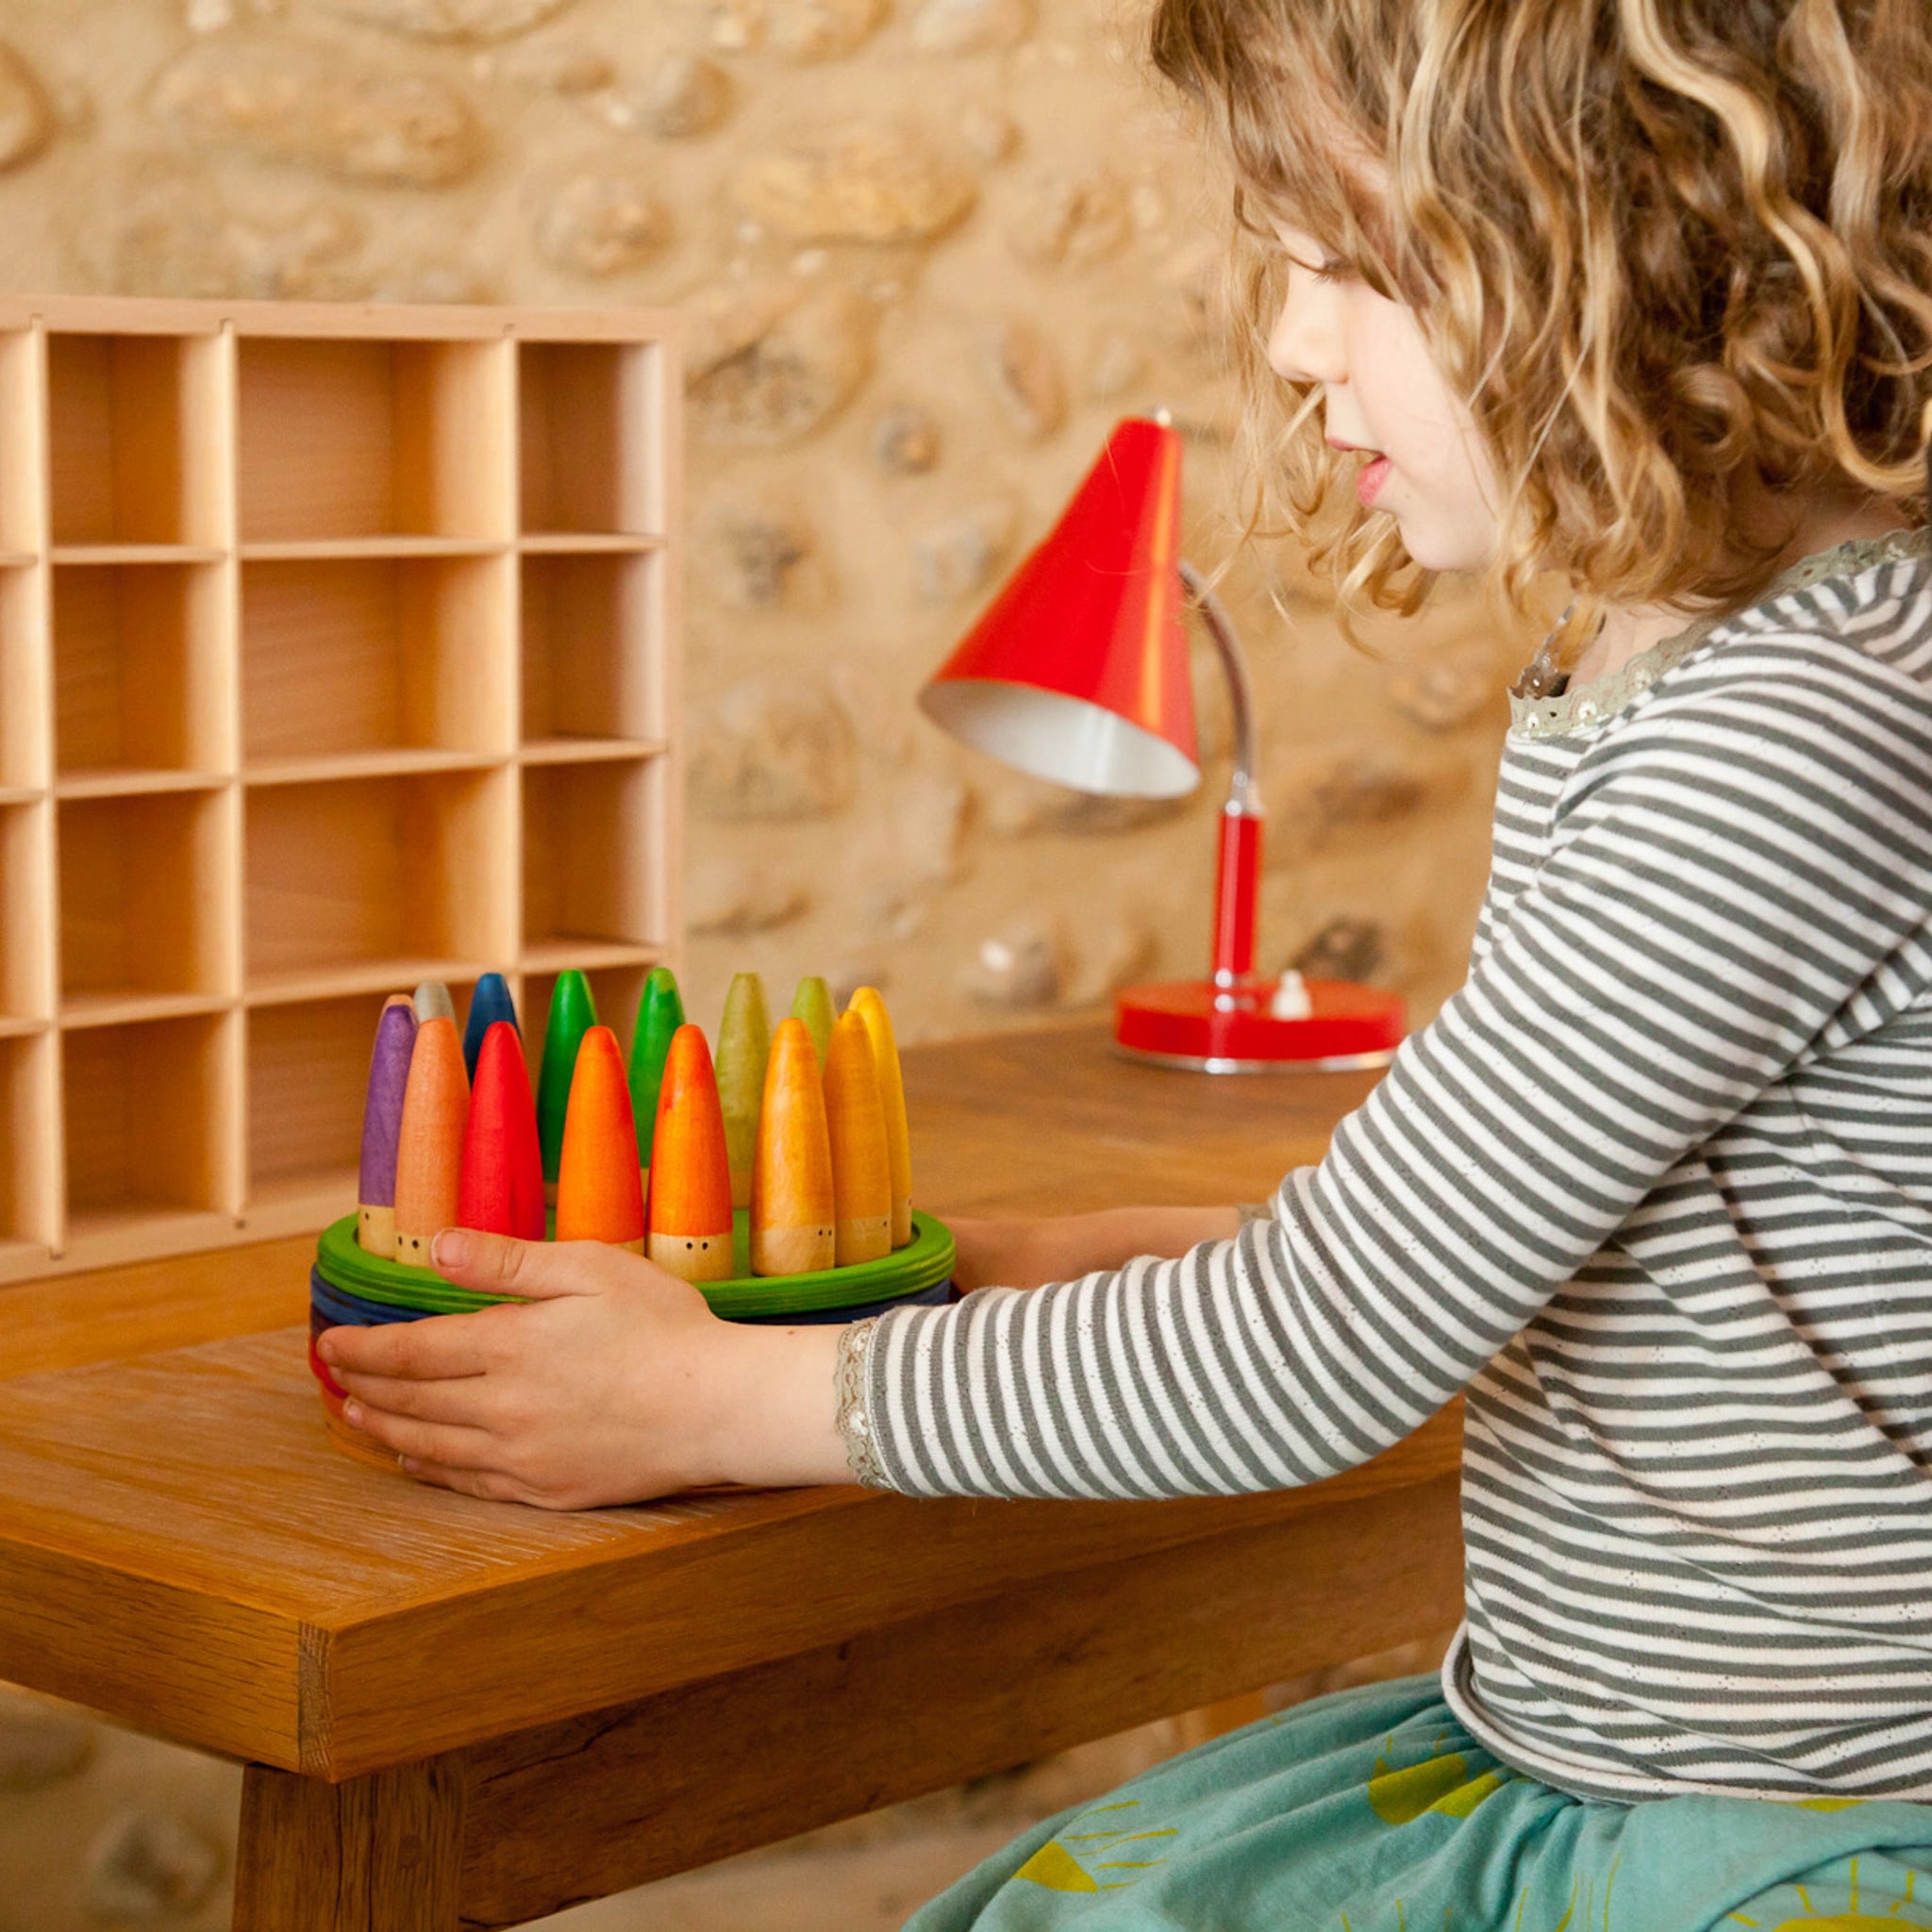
x=793, y=1201
x=869, y=1008
x=861, y=1165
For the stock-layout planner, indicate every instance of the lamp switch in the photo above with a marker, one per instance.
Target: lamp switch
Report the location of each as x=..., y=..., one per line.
x=1290, y=999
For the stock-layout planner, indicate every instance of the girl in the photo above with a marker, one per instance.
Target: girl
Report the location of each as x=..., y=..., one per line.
x=1637, y=292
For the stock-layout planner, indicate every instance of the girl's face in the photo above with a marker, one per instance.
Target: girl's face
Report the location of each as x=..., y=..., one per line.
x=1381, y=394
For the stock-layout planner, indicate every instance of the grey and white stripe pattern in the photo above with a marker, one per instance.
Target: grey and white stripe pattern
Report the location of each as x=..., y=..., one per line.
x=1655, y=1188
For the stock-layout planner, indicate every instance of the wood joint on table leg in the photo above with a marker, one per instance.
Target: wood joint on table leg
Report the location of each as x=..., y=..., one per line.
x=376, y=1854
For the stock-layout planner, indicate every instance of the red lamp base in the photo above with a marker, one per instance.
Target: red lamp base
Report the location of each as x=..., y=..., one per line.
x=1194, y=1024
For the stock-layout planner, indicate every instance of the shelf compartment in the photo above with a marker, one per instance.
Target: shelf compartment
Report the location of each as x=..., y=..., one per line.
x=593, y=665
x=589, y=429
x=30, y=1143
x=147, y=895
x=307, y=1078
x=150, y=1132
x=590, y=834
x=24, y=753
x=346, y=876
x=614, y=991
x=141, y=669
x=376, y=655
x=352, y=439
x=132, y=449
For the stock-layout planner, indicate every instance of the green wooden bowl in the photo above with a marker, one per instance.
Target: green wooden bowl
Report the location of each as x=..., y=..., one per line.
x=922, y=1263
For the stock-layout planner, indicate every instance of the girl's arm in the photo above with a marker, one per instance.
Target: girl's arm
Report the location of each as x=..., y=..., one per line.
x=1740, y=876
x=1031, y=1253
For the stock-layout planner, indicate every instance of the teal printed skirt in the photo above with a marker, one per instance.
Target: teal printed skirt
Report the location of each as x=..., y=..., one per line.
x=1375, y=1811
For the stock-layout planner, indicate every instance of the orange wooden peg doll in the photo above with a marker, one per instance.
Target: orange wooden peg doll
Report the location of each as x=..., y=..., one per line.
x=792, y=1204
x=600, y=1195
x=429, y=1146
x=691, y=1171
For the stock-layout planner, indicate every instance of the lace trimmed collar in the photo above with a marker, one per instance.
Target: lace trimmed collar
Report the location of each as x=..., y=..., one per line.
x=1587, y=706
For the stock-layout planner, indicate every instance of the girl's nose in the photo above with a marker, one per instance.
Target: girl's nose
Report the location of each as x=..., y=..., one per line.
x=1304, y=344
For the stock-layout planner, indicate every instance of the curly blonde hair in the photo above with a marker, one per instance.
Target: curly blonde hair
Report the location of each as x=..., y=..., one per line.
x=1665, y=249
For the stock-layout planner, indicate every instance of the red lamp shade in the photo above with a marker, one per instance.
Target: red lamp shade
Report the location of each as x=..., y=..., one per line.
x=1078, y=670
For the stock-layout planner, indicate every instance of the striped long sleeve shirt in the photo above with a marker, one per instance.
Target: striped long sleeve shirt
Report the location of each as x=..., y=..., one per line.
x=1655, y=1188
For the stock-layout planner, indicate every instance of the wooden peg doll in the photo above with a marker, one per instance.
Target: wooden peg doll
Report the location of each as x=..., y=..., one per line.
x=812, y=1003
x=660, y=1013
x=382, y=1120
x=792, y=1204
x=861, y=1166
x=745, y=1046
x=501, y=1190
x=573, y=1013
x=691, y=1172
x=488, y=1004
x=599, y=1194
x=429, y=1146
x=869, y=1008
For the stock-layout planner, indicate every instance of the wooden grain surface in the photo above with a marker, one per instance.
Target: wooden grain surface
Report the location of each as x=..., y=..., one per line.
x=67, y=1320
x=179, y=1547
x=1055, y=1123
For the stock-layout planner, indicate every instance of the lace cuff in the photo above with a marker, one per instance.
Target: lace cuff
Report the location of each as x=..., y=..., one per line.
x=854, y=1417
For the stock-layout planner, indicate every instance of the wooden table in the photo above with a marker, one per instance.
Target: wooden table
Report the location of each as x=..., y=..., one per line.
x=457, y=1713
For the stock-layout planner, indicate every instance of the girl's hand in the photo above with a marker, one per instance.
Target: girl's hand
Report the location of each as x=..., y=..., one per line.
x=610, y=1382
x=1029, y=1254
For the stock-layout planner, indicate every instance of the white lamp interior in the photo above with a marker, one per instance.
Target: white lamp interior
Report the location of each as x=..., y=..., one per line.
x=1060, y=738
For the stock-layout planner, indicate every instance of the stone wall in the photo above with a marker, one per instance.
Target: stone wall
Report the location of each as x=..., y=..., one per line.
x=931, y=250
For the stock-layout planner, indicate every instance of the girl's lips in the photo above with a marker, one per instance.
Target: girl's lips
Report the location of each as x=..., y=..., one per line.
x=1369, y=480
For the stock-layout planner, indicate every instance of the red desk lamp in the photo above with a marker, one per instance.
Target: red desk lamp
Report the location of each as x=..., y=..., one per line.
x=1078, y=672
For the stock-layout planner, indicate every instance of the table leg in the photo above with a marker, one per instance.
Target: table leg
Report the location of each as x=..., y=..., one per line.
x=376, y=1854
x=1211, y=1721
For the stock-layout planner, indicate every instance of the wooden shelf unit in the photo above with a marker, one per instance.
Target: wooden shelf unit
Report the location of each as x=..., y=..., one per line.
x=337, y=651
